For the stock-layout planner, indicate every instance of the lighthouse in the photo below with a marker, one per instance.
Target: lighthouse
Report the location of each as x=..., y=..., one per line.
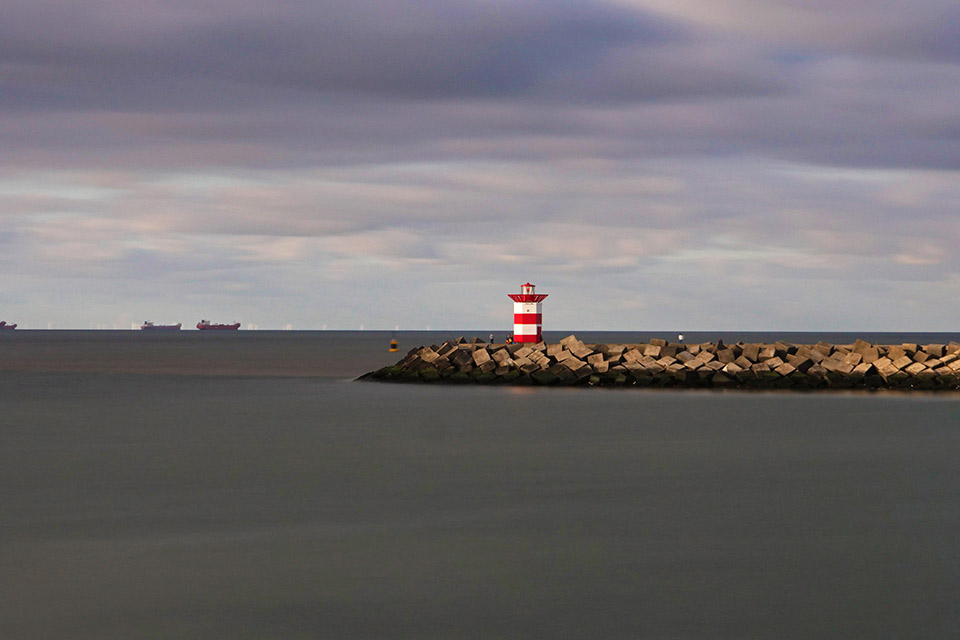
x=526, y=314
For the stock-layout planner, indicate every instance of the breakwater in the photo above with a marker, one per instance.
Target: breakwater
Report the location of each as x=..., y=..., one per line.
x=659, y=363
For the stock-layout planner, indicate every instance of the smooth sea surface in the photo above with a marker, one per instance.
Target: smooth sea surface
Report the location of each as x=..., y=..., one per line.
x=242, y=485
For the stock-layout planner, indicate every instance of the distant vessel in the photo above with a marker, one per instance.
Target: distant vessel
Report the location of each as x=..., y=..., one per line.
x=206, y=324
x=149, y=326
x=9, y=327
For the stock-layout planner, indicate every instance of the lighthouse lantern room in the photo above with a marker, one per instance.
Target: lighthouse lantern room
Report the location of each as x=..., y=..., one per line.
x=527, y=314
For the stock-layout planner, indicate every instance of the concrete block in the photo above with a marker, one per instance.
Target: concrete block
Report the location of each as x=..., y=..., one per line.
x=557, y=369
x=581, y=351
x=480, y=356
x=462, y=359
x=726, y=355
x=953, y=347
x=895, y=351
x=653, y=368
x=836, y=365
x=732, y=368
x=824, y=348
x=704, y=375
x=633, y=355
x=446, y=348
x=583, y=372
x=921, y=356
x=652, y=350
x=903, y=362
x=679, y=373
x=706, y=356
x=767, y=352
x=870, y=355
x=915, y=368
x=570, y=340
x=863, y=369
x=685, y=356
x=861, y=347
x=785, y=369
x=886, y=369
x=522, y=352
x=501, y=356
x=602, y=366
x=814, y=355
x=488, y=366
x=744, y=362
x=800, y=363
x=853, y=358
x=658, y=342
x=592, y=360
x=751, y=352
x=774, y=362
x=817, y=372
x=910, y=348
x=935, y=350
x=669, y=351
x=666, y=362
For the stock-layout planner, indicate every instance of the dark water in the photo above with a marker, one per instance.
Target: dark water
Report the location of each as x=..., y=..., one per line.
x=178, y=487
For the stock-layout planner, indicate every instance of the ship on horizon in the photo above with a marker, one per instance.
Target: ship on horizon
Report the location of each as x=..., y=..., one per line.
x=149, y=326
x=206, y=325
x=8, y=327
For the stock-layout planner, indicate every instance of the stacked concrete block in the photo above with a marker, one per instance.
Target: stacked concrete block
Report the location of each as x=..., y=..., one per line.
x=658, y=363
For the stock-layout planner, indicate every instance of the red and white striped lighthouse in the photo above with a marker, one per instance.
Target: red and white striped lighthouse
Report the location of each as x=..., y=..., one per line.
x=526, y=314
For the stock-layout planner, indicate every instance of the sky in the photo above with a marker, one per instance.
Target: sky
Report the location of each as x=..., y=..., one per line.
x=650, y=164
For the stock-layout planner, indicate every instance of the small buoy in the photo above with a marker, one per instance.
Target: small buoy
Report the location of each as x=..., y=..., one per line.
x=680, y=337
x=393, y=345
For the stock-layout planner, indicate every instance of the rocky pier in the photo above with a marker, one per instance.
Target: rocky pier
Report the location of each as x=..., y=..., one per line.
x=660, y=364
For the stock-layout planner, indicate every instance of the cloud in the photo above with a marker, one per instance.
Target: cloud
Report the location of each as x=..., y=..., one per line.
x=221, y=151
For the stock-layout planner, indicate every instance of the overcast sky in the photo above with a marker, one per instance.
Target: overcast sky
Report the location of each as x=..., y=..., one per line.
x=651, y=164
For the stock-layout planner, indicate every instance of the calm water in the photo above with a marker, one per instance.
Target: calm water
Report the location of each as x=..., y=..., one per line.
x=241, y=486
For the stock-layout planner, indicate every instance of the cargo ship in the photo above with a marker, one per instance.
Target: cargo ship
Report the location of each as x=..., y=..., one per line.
x=149, y=326
x=8, y=327
x=207, y=325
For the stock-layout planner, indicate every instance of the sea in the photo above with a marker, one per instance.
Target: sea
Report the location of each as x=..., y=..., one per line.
x=244, y=485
